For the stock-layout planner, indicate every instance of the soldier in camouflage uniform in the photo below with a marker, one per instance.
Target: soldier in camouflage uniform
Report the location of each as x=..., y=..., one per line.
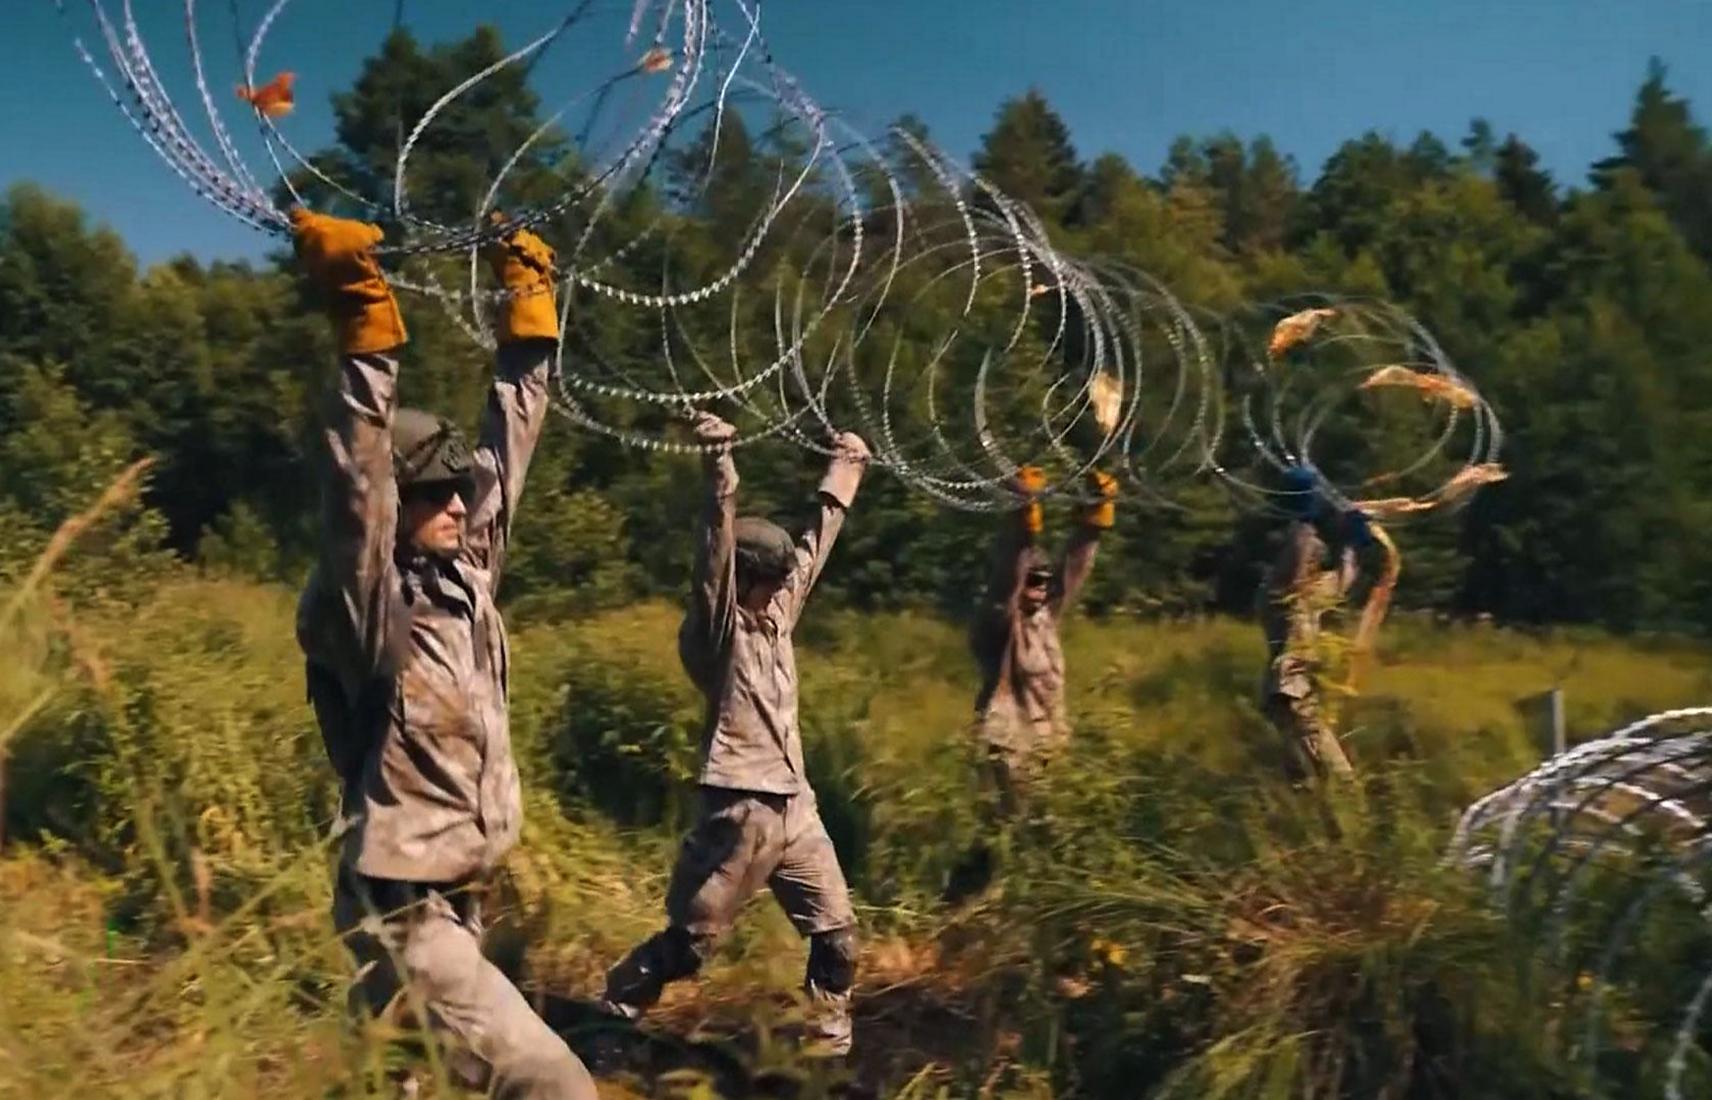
x=1020, y=716
x=759, y=823
x=1314, y=571
x=408, y=665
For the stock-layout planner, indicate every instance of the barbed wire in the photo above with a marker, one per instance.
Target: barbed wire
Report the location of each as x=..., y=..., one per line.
x=1603, y=851
x=844, y=278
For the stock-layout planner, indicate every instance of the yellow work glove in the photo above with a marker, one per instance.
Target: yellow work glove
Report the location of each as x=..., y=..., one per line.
x=523, y=263
x=1103, y=512
x=335, y=254
x=1030, y=480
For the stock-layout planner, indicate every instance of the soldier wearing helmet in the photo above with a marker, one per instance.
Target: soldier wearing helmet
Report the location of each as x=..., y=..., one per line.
x=1314, y=570
x=407, y=659
x=759, y=823
x=1020, y=714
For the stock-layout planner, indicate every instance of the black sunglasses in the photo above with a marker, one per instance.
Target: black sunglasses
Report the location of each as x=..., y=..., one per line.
x=1038, y=577
x=440, y=493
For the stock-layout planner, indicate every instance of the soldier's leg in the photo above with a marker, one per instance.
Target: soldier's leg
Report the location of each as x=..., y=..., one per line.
x=1318, y=739
x=1007, y=774
x=369, y=915
x=723, y=861
x=1298, y=766
x=810, y=885
x=469, y=999
x=1315, y=748
x=421, y=956
x=999, y=766
x=368, y=941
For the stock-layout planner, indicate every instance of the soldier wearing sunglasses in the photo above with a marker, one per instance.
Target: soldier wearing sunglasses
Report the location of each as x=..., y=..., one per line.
x=1020, y=715
x=408, y=666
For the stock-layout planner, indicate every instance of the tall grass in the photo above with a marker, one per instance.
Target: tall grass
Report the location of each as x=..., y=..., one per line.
x=1171, y=919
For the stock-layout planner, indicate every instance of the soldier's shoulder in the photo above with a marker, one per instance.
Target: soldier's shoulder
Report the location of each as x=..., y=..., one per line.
x=473, y=575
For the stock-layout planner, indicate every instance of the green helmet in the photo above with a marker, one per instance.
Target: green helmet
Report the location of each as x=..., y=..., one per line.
x=427, y=449
x=764, y=549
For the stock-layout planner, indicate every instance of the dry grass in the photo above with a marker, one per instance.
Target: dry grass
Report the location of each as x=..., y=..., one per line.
x=1176, y=920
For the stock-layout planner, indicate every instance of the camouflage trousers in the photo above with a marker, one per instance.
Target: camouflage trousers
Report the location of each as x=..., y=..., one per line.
x=1313, y=747
x=1014, y=753
x=1011, y=755
x=418, y=950
x=742, y=841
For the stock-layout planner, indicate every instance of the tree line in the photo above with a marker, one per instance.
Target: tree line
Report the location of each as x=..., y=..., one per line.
x=1582, y=309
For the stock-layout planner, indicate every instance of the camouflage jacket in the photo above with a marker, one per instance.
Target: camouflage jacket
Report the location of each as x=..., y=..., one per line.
x=1299, y=589
x=407, y=660
x=743, y=662
x=1021, y=661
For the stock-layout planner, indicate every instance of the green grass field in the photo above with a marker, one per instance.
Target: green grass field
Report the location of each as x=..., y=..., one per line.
x=1173, y=920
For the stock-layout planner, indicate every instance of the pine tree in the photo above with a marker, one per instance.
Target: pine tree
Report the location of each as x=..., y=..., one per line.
x=1027, y=155
x=1480, y=146
x=1531, y=191
x=1670, y=153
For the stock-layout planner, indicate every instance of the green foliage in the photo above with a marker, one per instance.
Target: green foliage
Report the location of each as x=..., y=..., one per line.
x=471, y=140
x=1583, y=317
x=625, y=738
x=59, y=459
x=1171, y=919
x=569, y=555
x=1670, y=153
x=1028, y=156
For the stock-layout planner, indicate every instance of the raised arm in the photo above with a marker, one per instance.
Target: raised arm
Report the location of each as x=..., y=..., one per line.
x=837, y=492
x=990, y=631
x=1017, y=532
x=1296, y=585
x=712, y=614
x=517, y=402
x=1093, y=520
x=359, y=505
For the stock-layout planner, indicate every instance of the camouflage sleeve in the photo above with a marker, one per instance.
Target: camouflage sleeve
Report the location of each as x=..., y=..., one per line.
x=1297, y=562
x=1305, y=560
x=713, y=598
x=359, y=514
x=511, y=426
x=1349, y=571
x=837, y=492
x=1073, y=571
x=990, y=631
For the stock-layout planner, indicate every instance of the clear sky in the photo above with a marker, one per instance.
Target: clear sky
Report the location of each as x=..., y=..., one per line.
x=1127, y=75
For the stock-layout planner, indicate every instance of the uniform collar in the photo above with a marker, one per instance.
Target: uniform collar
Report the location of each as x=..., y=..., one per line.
x=438, y=578
x=763, y=621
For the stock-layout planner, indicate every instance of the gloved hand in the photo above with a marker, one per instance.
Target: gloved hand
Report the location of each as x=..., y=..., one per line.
x=1103, y=513
x=523, y=263
x=335, y=254
x=1028, y=482
x=710, y=429
x=850, y=457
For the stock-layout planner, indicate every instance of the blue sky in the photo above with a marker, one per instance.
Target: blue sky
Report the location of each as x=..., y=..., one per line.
x=1127, y=75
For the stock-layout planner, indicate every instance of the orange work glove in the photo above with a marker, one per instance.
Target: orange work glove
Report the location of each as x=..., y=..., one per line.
x=335, y=254
x=1030, y=480
x=1102, y=513
x=523, y=263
